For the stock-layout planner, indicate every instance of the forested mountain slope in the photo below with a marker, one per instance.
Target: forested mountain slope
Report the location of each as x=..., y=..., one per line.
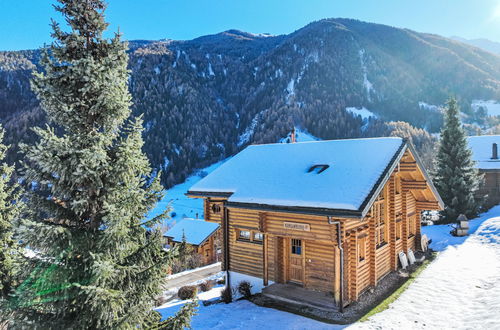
x=206, y=98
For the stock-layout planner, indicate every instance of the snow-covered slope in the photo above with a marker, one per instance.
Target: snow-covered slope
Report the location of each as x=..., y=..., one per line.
x=491, y=106
x=363, y=112
x=182, y=206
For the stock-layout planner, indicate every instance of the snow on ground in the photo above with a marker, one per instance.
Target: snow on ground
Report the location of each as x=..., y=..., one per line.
x=427, y=106
x=242, y=315
x=363, y=112
x=492, y=106
x=440, y=234
x=459, y=290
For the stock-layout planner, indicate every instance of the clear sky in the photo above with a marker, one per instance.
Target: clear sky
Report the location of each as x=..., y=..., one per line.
x=24, y=23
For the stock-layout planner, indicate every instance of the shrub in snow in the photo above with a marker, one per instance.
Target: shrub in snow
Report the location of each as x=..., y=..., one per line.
x=226, y=295
x=207, y=285
x=187, y=292
x=221, y=281
x=245, y=289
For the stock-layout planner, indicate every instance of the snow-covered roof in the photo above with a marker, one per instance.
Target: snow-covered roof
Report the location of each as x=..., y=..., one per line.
x=277, y=174
x=196, y=231
x=482, y=151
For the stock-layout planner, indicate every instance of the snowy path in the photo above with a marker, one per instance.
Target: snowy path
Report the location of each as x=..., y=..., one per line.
x=188, y=277
x=459, y=290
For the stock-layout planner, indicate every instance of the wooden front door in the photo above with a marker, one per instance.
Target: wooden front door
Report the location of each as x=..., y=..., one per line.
x=296, y=261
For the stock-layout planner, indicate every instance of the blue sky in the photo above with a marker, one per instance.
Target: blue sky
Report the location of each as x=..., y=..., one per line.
x=24, y=23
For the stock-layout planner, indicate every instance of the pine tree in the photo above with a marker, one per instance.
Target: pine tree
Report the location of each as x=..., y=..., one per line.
x=10, y=207
x=99, y=264
x=456, y=178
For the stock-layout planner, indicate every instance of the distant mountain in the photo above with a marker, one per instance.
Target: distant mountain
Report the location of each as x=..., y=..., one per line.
x=485, y=44
x=205, y=99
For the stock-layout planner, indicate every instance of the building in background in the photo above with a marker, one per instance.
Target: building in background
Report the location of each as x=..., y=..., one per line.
x=202, y=235
x=485, y=154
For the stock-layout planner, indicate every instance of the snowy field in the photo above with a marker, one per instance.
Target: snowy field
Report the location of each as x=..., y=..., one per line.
x=459, y=290
x=491, y=106
x=363, y=112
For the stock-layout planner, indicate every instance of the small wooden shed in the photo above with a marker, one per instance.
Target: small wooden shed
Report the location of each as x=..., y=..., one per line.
x=330, y=216
x=202, y=235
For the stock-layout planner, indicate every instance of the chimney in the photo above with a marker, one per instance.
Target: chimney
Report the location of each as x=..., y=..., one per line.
x=292, y=140
x=494, y=151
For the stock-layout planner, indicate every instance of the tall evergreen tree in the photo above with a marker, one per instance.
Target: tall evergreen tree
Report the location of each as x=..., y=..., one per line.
x=456, y=178
x=99, y=264
x=10, y=206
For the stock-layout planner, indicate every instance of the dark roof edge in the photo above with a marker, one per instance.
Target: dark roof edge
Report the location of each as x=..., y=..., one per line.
x=298, y=209
x=379, y=185
x=208, y=193
x=426, y=175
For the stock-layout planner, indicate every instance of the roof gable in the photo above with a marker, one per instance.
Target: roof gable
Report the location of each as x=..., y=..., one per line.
x=196, y=231
x=278, y=174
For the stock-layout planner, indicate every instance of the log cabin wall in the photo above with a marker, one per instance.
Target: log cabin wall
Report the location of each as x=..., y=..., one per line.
x=213, y=209
x=270, y=257
x=207, y=251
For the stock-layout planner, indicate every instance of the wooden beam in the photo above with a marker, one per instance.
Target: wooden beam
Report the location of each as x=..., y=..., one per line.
x=407, y=166
x=265, y=261
x=427, y=205
x=414, y=185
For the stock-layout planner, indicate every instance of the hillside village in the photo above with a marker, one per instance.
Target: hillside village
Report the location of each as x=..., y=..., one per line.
x=345, y=175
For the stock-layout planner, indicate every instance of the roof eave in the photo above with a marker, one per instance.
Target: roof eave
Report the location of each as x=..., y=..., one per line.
x=377, y=188
x=192, y=193
x=298, y=209
x=426, y=176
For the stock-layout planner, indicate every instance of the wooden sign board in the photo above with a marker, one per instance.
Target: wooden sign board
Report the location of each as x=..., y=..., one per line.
x=297, y=226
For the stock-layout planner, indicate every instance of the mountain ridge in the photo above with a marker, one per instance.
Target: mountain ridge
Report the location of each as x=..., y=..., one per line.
x=205, y=99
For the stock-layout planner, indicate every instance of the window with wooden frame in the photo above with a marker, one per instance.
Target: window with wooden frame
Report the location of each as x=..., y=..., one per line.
x=296, y=246
x=362, y=248
x=379, y=214
x=258, y=237
x=249, y=236
x=216, y=208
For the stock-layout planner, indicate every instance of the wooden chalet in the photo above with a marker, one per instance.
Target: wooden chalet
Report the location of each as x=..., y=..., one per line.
x=485, y=154
x=202, y=235
x=330, y=216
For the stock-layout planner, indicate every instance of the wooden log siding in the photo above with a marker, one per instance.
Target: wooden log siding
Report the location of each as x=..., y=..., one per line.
x=408, y=166
x=363, y=271
x=372, y=251
x=392, y=223
x=209, y=213
x=405, y=231
x=245, y=257
x=320, y=266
